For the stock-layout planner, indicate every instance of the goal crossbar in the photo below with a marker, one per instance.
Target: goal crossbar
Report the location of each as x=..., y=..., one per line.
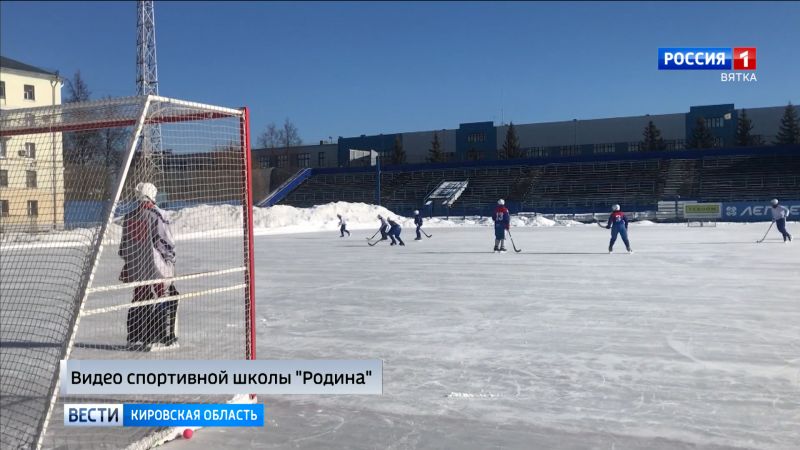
x=199, y=112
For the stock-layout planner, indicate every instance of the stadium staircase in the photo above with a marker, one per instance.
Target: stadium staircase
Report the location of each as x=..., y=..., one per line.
x=285, y=188
x=682, y=179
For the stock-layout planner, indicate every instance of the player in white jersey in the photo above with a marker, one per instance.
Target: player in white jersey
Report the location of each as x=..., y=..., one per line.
x=342, y=225
x=779, y=215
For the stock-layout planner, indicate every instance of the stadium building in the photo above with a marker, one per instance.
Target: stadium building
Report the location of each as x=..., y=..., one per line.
x=484, y=140
x=569, y=167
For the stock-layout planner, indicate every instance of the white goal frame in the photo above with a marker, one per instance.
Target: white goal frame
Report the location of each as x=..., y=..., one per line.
x=151, y=114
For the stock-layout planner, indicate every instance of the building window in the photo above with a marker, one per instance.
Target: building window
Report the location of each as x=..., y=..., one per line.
x=3, y=178
x=3, y=146
x=715, y=122
x=2, y=89
x=321, y=159
x=603, y=148
x=677, y=144
x=537, y=152
x=29, y=151
x=3, y=208
x=283, y=160
x=33, y=208
x=30, y=93
x=264, y=162
x=476, y=137
x=303, y=159
x=30, y=178
x=634, y=146
x=717, y=142
x=570, y=150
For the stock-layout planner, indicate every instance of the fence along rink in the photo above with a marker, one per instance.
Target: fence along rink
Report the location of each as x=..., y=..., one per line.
x=72, y=172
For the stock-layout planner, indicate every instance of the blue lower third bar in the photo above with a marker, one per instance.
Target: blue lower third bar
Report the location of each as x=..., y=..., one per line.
x=193, y=415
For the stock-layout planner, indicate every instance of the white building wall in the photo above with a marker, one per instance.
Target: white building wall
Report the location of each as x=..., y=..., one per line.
x=48, y=164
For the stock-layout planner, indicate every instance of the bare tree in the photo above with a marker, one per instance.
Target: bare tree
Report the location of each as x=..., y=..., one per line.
x=288, y=135
x=112, y=142
x=270, y=138
x=77, y=89
x=80, y=147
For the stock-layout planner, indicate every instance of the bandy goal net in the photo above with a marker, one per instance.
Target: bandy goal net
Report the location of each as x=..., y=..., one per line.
x=125, y=233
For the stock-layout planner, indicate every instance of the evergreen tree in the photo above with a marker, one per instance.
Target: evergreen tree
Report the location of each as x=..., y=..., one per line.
x=398, y=154
x=744, y=127
x=652, y=139
x=701, y=136
x=511, y=145
x=789, y=132
x=435, y=154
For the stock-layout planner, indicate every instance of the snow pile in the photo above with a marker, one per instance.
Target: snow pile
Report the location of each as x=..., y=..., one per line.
x=210, y=221
x=219, y=220
x=288, y=219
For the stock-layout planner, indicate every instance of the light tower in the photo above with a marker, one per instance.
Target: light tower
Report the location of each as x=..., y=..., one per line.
x=147, y=69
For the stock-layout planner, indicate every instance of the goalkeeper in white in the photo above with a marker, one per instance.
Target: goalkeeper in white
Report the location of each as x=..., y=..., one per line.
x=148, y=250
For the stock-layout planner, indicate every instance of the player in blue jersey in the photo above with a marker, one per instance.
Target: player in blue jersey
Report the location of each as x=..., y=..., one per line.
x=418, y=223
x=502, y=221
x=618, y=223
x=394, y=232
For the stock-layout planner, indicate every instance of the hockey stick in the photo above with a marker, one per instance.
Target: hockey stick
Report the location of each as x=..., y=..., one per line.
x=600, y=225
x=373, y=236
x=426, y=234
x=512, y=242
x=373, y=244
x=765, y=234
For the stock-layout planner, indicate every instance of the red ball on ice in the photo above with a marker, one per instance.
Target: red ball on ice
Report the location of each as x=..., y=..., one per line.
x=187, y=433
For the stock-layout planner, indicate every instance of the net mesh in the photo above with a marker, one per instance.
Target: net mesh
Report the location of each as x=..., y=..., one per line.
x=116, y=247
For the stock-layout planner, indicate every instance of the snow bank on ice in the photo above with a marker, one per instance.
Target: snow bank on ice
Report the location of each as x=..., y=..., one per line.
x=208, y=221
x=200, y=221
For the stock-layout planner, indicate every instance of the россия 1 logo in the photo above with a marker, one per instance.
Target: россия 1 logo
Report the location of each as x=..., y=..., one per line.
x=742, y=60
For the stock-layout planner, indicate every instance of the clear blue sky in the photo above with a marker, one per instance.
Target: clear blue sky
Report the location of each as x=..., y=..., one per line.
x=345, y=69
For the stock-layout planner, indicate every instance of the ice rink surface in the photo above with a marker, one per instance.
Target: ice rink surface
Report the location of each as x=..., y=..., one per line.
x=691, y=342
